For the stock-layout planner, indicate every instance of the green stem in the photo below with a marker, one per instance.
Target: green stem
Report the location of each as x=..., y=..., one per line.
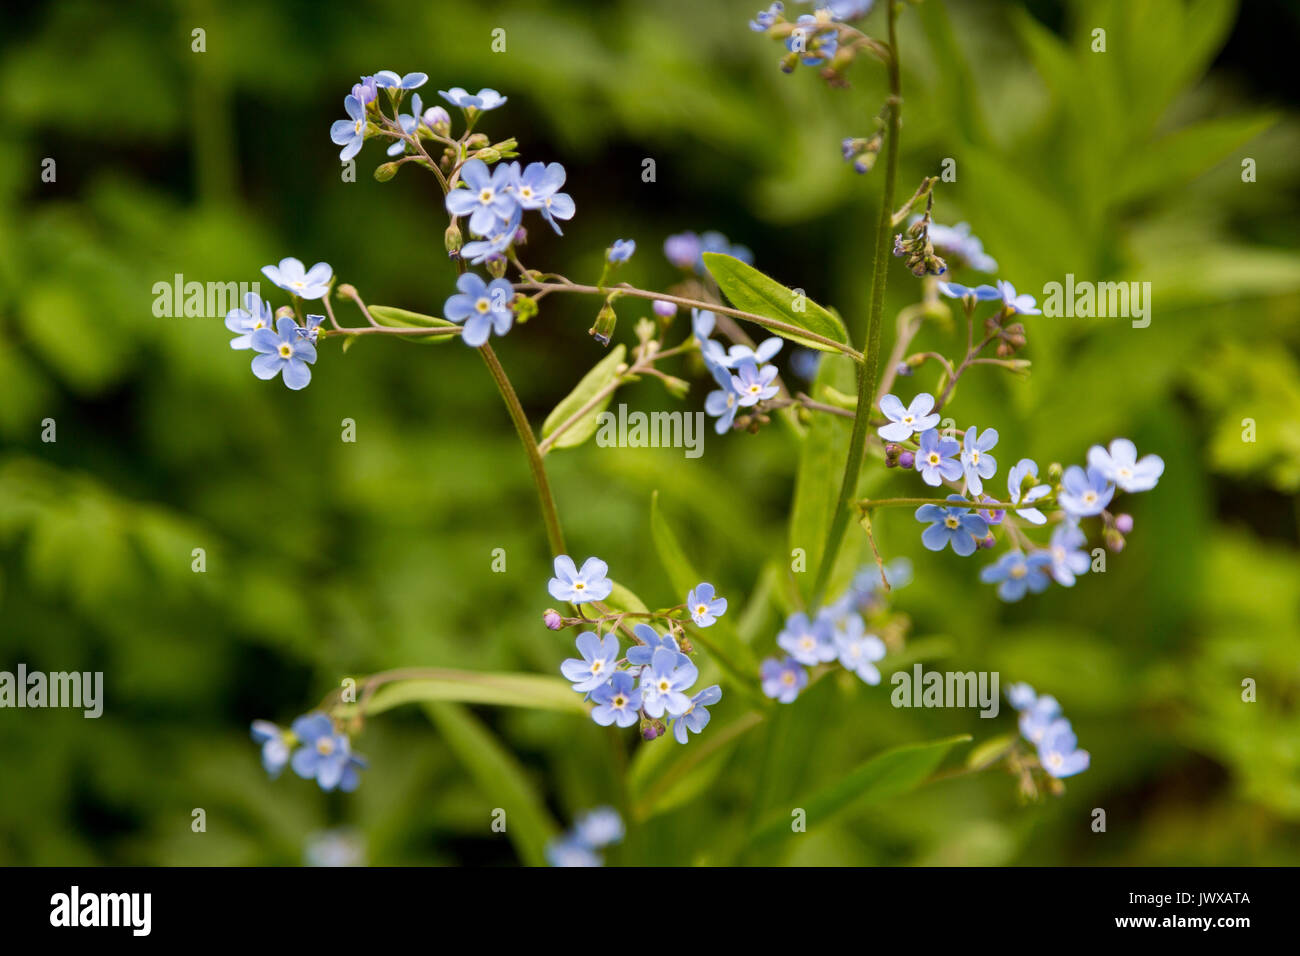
x=870, y=365
x=549, y=515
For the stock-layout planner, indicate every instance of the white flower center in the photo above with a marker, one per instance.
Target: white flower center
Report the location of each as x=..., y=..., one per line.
x=482, y=306
x=286, y=350
x=324, y=746
x=485, y=196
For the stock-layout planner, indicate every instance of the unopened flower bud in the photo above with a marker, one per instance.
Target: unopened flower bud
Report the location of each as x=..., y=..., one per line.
x=892, y=451
x=284, y=312
x=603, y=330
x=496, y=265
x=650, y=729
x=521, y=236
x=438, y=120
x=1054, y=472
x=1124, y=523
x=987, y=542
x=453, y=240
x=385, y=172
x=551, y=618
x=1114, y=540
x=489, y=154
x=906, y=460
x=478, y=141
x=903, y=369
x=665, y=310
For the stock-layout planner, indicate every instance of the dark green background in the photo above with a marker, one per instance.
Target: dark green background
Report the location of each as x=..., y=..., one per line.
x=327, y=559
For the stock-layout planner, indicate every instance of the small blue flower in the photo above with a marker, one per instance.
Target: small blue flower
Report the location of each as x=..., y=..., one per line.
x=980, y=293
x=488, y=199
x=714, y=241
x=484, y=307
x=618, y=701
x=704, y=608
x=975, y=460
x=903, y=422
x=754, y=384
x=496, y=242
x=1038, y=717
x=1021, y=696
x=1121, y=465
x=350, y=133
x=410, y=124
x=1024, y=304
x=640, y=655
x=1059, y=752
x=956, y=243
x=807, y=641
x=934, y=459
x=765, y=18
x=598, y=828
x=256, y=314
x=1084, y=494
x=805, y=363
x=435, y=116
x=310, y=331
x=597, y=664
x=664, y=682
x=389, y=80
x=950, y=525
x=538, y=187
x=1016, y=480
x=621, y=250
x=569, y=851
x=683, y=250
x=814, y=46
x=275, y=746
x=1067, y=559
x=741, y=353
x=367, y=91
x=483, y=100
x=324, y=754
x=696, y=716
x=290, y=275
x=722, y=403
x=578, y=587
x=843, y=9
x=991, y=516
x=283, y=351
x=783, y=679
x=1014, y=573
x=858, y=651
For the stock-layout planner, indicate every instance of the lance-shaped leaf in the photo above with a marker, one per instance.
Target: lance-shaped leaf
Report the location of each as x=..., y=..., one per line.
x=889, y=774
x=587, y=398
x=752, y=291
x=500, y=778
x=537, y=691
x=396, y=318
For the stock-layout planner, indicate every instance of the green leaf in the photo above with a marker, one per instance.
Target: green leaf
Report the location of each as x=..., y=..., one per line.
x=751, y=291
x=720, y=639
x=404, y=319
x=501, y=780
x=888, y=774
x=663, y=776
x=817, y=480
x=469, y=687
x=622, y=599
x=605, y=372
x=1186, y=154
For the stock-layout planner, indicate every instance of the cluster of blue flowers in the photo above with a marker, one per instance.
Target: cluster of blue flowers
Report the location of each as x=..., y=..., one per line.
x=1044, y=726
x=650, y=684
x=282, y=345
x=592, y=831
x=915, y=442
x=743, y=374
x=812, y=38
x=323, y=754
x=838, y=632
x=968, y=464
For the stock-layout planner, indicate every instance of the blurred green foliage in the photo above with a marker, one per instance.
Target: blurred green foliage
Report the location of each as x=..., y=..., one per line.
x=327, y=559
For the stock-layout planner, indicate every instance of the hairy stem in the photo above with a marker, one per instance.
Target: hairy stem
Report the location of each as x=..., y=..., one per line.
x=869, y=368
